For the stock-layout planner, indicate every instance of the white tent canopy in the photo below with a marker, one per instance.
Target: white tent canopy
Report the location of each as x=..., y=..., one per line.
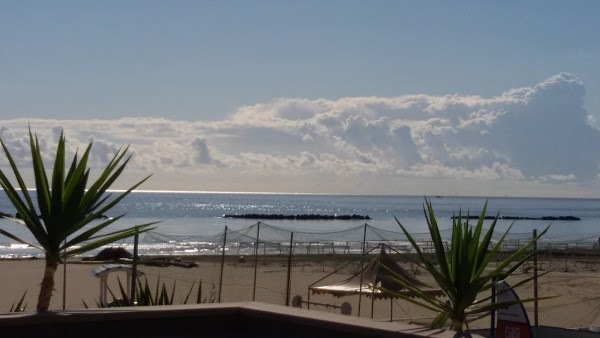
x=372, y=277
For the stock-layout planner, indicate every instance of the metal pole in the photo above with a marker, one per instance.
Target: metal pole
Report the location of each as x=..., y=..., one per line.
x=256, y=260
x=493, y=312
x=362, y=262
x=372, y=302
x=391, y=309
x=134, y=266
x=289, y=273
x=535, y=281
x=65, y=277
x=222, y=264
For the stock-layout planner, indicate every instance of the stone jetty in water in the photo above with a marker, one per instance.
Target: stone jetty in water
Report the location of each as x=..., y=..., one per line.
x=544, y=218
x=303, y=217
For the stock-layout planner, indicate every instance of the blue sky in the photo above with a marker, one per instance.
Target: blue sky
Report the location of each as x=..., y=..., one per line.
x=211, y=62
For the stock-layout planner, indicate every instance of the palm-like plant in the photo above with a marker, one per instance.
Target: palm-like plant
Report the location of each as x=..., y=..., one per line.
x=463, y=271
x=145, y=297
x=66, y=206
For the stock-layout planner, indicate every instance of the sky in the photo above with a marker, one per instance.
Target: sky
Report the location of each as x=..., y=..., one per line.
x=354, y=97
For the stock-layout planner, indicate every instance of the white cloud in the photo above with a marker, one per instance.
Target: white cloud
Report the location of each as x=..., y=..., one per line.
x=557, y=178
x=533, y=134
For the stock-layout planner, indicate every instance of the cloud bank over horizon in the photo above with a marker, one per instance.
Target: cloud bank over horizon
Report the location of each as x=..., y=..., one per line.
x=524, y=137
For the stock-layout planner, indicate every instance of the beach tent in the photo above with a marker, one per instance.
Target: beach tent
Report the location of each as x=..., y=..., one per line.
x=369, y=279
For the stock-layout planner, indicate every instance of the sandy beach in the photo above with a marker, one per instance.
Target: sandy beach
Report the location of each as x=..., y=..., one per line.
x=575, y=280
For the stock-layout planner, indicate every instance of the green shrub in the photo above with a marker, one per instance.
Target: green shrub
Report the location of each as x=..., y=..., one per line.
x=464, y=271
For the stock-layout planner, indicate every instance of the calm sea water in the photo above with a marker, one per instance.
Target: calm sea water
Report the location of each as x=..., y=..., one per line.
x=200, y=214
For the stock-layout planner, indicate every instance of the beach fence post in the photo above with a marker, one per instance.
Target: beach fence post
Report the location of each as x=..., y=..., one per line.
x=535, y=281
x=493, y=312
x=372, y=302
x=256, y=260
x=136, y=241
x=362, y=266
x=65, y=277
x=289, y=272
x=222, y=264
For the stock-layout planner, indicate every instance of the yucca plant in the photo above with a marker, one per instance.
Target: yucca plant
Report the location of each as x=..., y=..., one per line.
x=65, y=206
x=464, y=271
x=144, y=295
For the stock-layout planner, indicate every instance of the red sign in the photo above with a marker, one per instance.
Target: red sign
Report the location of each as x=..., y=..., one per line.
x=506, y=329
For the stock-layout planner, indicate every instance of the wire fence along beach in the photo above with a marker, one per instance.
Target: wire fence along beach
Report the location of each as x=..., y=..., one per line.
x=269, y=264
x=275, y=240
x=265, y=263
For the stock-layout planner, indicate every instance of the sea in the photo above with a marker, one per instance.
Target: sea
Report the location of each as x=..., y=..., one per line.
x=198, y=217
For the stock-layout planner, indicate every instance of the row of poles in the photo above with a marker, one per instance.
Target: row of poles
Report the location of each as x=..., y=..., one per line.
x=289, y=269
x=132, y=287
x=289, y=274
x=256, y=246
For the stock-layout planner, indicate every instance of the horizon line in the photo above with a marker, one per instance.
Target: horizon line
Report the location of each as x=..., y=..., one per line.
x=432, y=196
